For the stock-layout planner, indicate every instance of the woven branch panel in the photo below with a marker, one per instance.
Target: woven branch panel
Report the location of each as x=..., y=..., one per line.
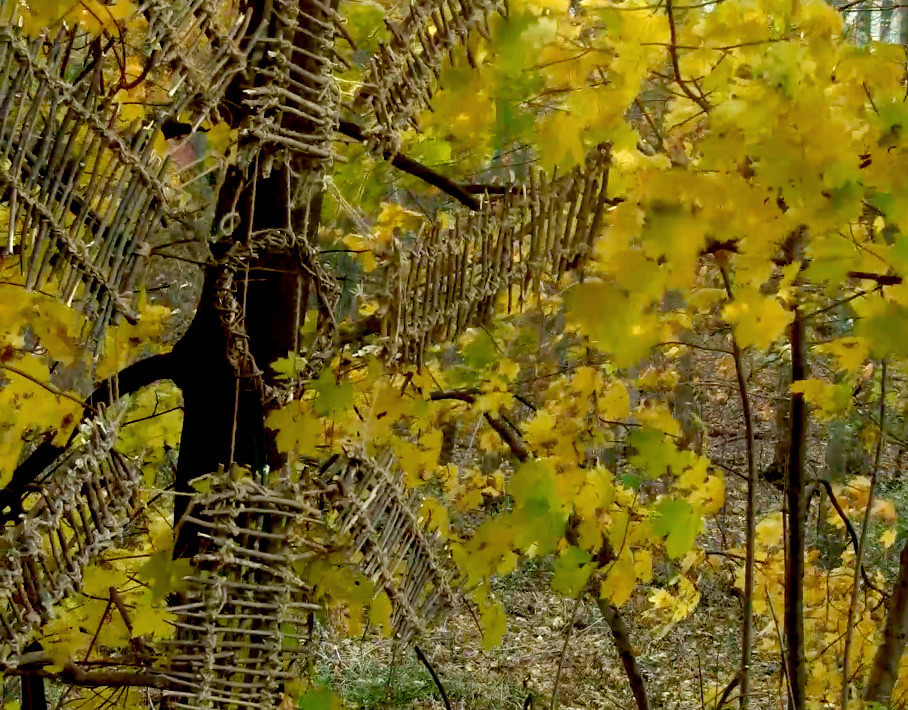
x=198, y=47
x=379, y=517
x=402, y=74
x=83, y=196
x=291, y=121
x=294, y=104
x=452, y=277
x=89, y=496
x=86, y=189
x=243, y=620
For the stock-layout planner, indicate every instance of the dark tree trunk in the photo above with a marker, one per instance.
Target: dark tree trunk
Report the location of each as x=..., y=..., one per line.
x=796, y=505
x=885, y=669
x=224, y=407
x=32, y=685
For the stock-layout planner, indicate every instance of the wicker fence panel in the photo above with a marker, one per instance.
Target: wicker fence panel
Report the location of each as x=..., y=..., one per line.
x=87, y=498
x=244, y=619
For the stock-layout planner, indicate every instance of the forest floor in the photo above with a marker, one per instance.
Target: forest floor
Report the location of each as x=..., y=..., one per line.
x=687, y=664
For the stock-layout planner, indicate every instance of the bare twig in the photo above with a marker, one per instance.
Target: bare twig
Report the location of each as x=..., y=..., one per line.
x=673, y=53
x=563, y=654
x=435, y=678
x=859, y=550
x=782, y=651
x=851, y=533
x=747, y=629
x=44, y=385
x=729, y=688
x=73, y=674
x=416, y=169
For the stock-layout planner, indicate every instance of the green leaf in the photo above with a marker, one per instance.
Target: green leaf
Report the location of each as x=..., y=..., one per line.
x=677, y=520
x=320, y=699
x=572, y=570
x=480, y=352
x=333, y=396
x=540, y=512
x=654, y=454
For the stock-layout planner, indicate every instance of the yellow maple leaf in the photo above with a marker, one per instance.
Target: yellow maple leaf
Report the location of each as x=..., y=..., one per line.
x=508, y=368
x=885, y=509
x=540, y=429
x=153, y=621
x=758, y=320
x=298, y=428
x=769, y=530
x=620, y=580
x=614, y=403
x=849, y=352
x=562, y=136
x=585, y=381
x=380, y=613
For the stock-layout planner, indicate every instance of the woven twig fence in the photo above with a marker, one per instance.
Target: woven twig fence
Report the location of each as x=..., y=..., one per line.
x=295, y=104
x=83, y=196
x=291, y=123
x=452, y=276
x=403, y=73
x=85, y=189
x=199, y=47
x=86, y=499
x=379, y=522
x=244, y=619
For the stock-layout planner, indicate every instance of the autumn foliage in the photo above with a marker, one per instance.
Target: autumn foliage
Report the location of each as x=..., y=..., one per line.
x=752, y=229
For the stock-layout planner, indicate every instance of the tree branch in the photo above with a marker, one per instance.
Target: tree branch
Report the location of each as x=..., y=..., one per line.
x=44, y=385
x=851, y=533
x=441, y=689
x=73, y=674
x=507, y=431
x=794, y=490
x=416, y=169
x=673, y=53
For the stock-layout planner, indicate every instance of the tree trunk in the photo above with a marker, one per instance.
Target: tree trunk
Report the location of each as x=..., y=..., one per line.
x=885, y=670
x=33, y=696
x=622, y=640
x=224, y=409
x=794, y=579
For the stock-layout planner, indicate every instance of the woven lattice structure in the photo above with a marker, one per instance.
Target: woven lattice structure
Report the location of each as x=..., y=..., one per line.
x=86, y=190
x=88, y=496
x=402, y=75
x=83, y=196
x=295, y=104
x=291, y=122
x=380, y=523
x=453, y=275
x=199, y=47
x=244, y=619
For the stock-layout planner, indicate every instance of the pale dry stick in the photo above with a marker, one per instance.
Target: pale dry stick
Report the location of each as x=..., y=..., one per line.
x=859, y=551
x=561, y=657
x=775, y=621
x=747, y=630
